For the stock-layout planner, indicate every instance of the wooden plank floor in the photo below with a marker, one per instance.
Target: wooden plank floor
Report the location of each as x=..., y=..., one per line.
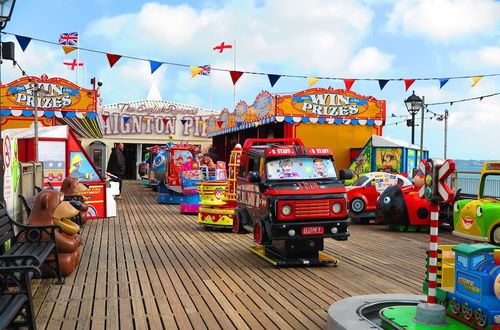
x=152, y=267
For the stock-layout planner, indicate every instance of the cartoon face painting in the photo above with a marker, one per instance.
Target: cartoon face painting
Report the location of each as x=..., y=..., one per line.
x=468, y=219
x=286, y=166
x=219, y=193
x=319, y=169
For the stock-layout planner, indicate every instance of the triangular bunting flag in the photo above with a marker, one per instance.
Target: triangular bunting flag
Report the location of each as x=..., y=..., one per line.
x=235, y=75
x=145, y=119
x=220, y=122
x=183, y=121
x=238, y=123
x=476, y=80
x=112, y=58
x=348, y=83
x=105, y=117
x=382, y=83
x=154, y=65
x=442, y=82
x=273, y=78
x=201, y=122
x=408, y=83
x=312, y=81
x=256, y=123
x=195, y=70
x=393, y=115
x=23, y=42
x=125, y=119
x=165, y=121
x=68, y=49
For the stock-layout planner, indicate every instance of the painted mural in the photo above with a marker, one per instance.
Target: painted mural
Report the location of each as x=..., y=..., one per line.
x=388, y=159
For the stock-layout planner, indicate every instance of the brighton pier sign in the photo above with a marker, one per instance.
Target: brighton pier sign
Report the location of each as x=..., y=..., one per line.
x=128, y=119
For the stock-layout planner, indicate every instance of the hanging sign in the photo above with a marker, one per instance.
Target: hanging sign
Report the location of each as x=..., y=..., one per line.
x=55, y=94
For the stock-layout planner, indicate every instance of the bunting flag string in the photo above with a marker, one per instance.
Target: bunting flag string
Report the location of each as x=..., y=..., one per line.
x=154, y=65
x=68, y=49
x=23, y=42
x=112, y=58
x=312, y=81
x=235, y=75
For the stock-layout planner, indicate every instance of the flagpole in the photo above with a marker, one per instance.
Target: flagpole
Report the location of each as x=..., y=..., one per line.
x=78, y=57
x=85, y=72
x=234, y=69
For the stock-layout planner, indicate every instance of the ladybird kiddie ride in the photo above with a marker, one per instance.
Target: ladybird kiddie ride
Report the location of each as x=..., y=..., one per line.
x=291, y=198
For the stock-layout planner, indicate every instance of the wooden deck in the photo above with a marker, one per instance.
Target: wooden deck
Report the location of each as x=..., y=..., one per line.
x=152, y=267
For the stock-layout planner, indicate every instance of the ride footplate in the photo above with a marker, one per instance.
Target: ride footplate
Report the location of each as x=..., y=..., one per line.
x=277, y=260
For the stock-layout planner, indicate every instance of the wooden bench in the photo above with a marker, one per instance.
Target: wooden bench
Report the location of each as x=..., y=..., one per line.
x=31, y=246
x=27, y=203
x=16, y=301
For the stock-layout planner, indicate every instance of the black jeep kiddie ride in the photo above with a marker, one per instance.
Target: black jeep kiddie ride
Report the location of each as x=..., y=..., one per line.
x=291, y=198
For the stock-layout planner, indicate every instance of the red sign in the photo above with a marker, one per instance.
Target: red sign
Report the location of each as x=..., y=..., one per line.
x=281, y=152
x=96, y=199
x=444, y=172
x=313, y=230
x=319, y=151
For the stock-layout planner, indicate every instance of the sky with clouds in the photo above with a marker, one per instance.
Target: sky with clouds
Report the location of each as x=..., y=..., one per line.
x=371, y=39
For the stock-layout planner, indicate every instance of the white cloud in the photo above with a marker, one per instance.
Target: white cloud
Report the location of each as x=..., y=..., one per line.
x=444, y=19
x=302, y=33
x=370, y=61
x=487, y=56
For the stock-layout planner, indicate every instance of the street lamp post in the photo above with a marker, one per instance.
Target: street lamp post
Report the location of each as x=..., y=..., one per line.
x=445, y=119
x=6, y=8
x=413, y=105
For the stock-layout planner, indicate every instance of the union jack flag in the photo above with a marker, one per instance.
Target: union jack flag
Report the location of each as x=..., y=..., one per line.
x=205, y=71
x=69, y=39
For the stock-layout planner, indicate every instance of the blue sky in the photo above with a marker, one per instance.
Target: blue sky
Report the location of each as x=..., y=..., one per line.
x=380, y=39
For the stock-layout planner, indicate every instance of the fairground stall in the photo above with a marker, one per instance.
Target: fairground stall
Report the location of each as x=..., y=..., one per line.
x=50, y=102
x=381, y=154
x=331, y=118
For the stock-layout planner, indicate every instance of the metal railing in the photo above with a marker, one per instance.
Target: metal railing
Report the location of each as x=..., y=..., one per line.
x=469, y=183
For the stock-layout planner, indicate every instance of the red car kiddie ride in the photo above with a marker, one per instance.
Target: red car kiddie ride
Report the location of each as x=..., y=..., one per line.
x=291, y=198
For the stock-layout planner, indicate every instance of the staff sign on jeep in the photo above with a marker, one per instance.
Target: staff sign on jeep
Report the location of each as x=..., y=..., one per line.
x=291, y=198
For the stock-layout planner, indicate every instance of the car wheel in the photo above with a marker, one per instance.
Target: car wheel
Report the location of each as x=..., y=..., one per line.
x=495, y=235
x=259, y=234
x=238, y=223
x=358, y=205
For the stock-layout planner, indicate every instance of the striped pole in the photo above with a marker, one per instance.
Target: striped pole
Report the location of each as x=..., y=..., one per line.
x=433, y=253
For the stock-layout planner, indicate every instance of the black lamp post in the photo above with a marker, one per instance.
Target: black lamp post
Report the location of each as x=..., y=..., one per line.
x=6, y=8
x=413, y=104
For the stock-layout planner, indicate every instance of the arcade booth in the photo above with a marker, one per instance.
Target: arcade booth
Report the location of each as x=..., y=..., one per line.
x=381, y=154
x=63, y=156
x=330, y=118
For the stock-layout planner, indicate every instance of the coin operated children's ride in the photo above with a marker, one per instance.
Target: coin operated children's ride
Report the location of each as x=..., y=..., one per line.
x=290, y=204
x=479, y=219
x=170, y=186
x=218, y=198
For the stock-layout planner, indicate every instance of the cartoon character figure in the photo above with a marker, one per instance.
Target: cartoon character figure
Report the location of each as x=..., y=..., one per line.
x=359, y=169
x=179, y=161
x=76, y=165
x=219, y=193
x=286, y=166
x=319, y=169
